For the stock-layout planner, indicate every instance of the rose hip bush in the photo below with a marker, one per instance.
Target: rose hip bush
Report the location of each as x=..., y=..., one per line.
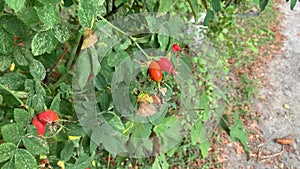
x=47, y=119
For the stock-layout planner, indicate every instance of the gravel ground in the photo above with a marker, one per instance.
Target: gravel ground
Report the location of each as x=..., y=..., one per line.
x=279, y=106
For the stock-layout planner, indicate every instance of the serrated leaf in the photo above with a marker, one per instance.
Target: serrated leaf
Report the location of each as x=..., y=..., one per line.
x=14, y=26
x=56, y=103
x=87, y=11
x=61, y=33
x=21, y=116
x=22, y=56
x=37, y=70
x=28, y=15
x=16, y=5
x=164, y=5
x=5, y=62
x=48, y=14
x=83, y=161
x=24, y=160
x=163, y=38
x=35, y=100
x=114, y=58
x=216, y=5
x=8, y=165
x=104, y=98
x=35, y=145
x=7, y=42
x=83, y=69
x=237, y=132
x=14, y=81
x=43, y=42
x=67, y=152
x=12, y=133
x=7, y=151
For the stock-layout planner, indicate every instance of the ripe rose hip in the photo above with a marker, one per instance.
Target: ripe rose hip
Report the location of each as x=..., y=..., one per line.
x=41, y=127
x=48, y=116
x=155, y=71
x=176, y=47
x=166, y=65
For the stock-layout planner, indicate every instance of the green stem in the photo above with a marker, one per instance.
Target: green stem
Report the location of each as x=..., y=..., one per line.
x=124, y=33
x=13, y=93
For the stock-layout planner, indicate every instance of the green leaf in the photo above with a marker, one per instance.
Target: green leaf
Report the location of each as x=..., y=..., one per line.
x=83, y=161
x=237, y=132
x=164, y=5
x=263, y=4
x=167, y=123
x=209, y=16
x=293, y=4
x=204, y=147
x=35, y=100
x=87, y=11
x=83, y=69
x=2, y=5
x=114, y=58
x=104, y=100
x=43, y=42
x=37, y=70
x=48, y=14
x=160, y=162
x=22, y=56
x=29, y=16
x=24, y=160
x=16, y=5
x=216, y=5
x=5, y=62
x=194, y=5
x=21, y=116
x=7, y=42
x=61, y=33
x=198, y=134
x=12, y=133
x=163, y=38
x=14, y=26
x=36, y=145
x=56, y=103
x=67, y=152
x=8, y=165
x=49, y=1
x=14, y=81
x=7, y=151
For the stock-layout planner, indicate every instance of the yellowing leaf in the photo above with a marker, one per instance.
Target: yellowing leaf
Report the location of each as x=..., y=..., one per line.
x=144, y=97
x=74, y=137
x=12, y=67
x=61, y=164
x=89, y=38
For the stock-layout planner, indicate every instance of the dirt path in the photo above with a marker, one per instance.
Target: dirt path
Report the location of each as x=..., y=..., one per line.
x=279, y=105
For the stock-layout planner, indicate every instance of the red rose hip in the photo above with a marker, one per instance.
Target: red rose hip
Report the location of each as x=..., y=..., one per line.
x=48, y=116
x=176, y=47
x=41, y=127
x=155, y=71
